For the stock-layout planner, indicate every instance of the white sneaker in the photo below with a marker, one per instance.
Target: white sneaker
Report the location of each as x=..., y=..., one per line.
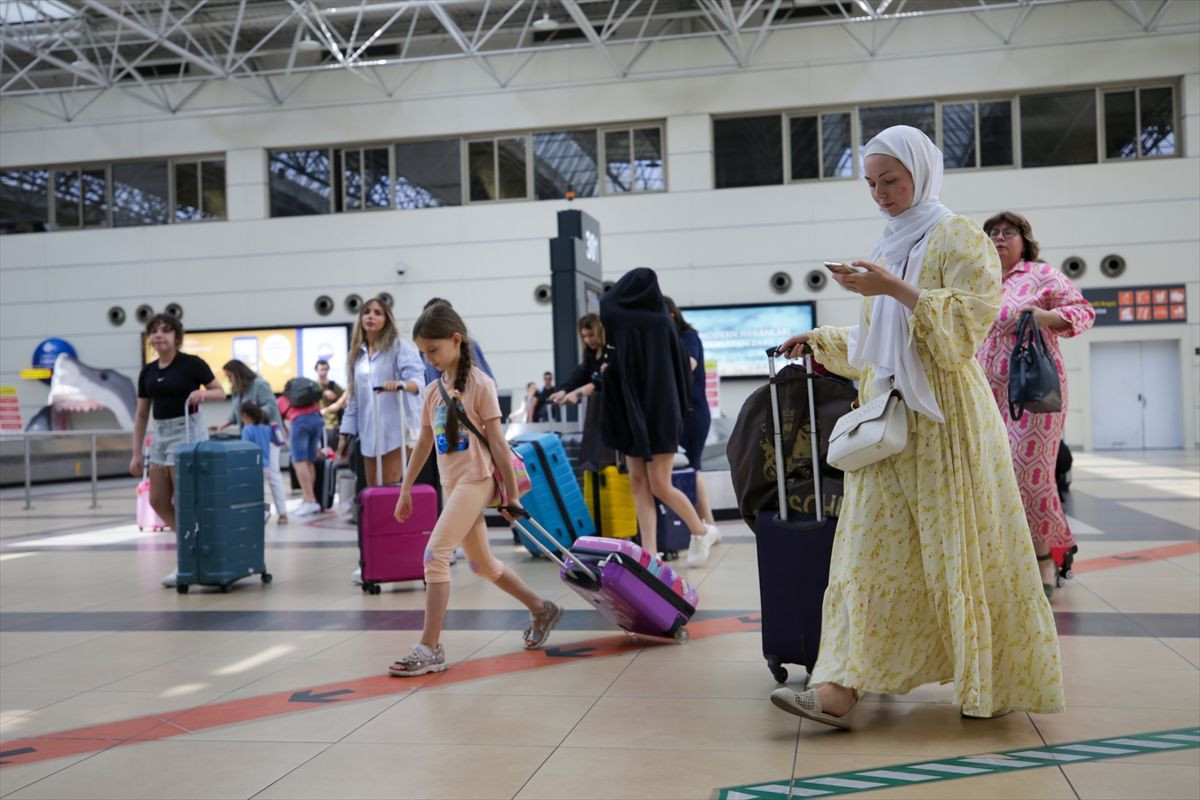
x=699, y=548
x=307, y=509
x=714, y=532
x=356, y=576
x=170, y=580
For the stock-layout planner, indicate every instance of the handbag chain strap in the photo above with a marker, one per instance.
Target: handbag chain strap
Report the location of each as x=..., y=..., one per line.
x=463, y=418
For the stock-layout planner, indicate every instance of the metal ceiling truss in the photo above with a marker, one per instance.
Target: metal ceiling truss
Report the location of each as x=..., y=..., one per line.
x=59, y=56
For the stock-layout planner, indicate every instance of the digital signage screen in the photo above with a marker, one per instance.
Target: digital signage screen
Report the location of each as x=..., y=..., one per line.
x=737, y=336
x=277, y=354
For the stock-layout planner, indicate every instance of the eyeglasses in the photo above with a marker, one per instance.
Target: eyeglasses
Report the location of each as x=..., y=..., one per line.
x=1003, y=233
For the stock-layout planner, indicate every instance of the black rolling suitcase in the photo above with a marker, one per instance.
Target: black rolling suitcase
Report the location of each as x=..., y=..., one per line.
x=793, y=557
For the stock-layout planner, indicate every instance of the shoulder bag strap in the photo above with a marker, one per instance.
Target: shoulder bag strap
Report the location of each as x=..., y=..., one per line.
x=463, y=418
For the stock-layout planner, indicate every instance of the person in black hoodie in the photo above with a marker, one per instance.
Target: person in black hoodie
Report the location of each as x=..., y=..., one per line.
x=646, y=379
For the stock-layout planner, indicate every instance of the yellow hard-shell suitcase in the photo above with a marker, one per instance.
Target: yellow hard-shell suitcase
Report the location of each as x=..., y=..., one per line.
x=612, y=491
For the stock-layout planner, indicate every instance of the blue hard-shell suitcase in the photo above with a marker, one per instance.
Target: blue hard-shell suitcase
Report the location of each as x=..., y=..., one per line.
x=555, y=499
x=219, y=513
x=673, y=535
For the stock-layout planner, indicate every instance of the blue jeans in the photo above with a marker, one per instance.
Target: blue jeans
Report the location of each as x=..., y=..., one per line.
x=306, y=436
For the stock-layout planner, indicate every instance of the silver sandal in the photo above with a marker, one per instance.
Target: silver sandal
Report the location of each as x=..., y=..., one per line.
x=541, y=624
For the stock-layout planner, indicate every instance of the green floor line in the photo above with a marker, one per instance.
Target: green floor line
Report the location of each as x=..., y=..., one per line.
x=945, y=769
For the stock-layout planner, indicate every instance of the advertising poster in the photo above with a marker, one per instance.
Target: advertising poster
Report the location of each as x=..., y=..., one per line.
x=277, y=354
x=712, y=387
x=1138, y=305
x=737, y=337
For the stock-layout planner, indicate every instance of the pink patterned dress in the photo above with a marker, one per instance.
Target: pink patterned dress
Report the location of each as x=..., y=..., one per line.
x=1034, y=438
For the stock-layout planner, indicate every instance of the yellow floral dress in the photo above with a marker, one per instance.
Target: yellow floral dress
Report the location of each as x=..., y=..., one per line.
x=933, y=575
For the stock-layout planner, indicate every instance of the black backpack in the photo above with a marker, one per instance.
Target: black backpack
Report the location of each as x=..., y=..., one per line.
x=302, y=392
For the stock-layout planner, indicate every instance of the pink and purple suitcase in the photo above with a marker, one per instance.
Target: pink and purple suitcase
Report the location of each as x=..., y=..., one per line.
x=391, y=551
x=625, y=583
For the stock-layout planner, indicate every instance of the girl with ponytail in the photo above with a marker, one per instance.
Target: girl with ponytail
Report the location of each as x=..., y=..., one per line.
x=464, y=397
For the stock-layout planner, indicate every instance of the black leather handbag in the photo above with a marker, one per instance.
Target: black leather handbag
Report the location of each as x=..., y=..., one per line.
x=1033, y=383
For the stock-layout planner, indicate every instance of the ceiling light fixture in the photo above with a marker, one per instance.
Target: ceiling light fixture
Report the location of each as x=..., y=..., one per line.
x=545, y=24
x=308, y=43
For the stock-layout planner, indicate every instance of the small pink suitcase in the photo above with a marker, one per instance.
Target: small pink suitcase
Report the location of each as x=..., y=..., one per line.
x=389, y=550
x=147, y=519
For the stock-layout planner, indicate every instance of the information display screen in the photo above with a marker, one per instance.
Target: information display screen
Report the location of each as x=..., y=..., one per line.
x=737, y=337
x=277, y=354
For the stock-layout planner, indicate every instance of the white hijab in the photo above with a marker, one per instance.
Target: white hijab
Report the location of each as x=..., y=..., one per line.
x=887, y=344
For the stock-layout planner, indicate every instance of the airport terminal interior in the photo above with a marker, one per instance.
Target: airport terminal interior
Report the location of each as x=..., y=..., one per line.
x=268, y=182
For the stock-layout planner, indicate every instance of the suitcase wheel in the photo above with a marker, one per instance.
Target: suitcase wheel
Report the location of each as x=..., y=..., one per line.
x=267, y=577
x=181, y=588
x=372, y=588
x=681, y=635
x=777, y=669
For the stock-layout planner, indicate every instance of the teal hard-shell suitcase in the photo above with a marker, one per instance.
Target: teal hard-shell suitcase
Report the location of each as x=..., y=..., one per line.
x=219, y=513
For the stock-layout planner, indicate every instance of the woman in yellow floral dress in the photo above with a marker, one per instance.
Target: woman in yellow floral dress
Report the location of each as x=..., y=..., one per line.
x=933, y=576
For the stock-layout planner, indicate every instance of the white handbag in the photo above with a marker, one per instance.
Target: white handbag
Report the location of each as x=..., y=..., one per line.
x=869, y=433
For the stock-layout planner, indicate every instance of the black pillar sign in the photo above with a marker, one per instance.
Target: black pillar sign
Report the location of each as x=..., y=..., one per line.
x=575, y=284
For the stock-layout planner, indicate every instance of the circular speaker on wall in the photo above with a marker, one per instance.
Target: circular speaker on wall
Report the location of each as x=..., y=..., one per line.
x=353, y=303
x=780, y=282
x=116, y=316
x=1113, y=266
x=323, y=305
x=542, y=293
x=387, y=299
x=815, y=280
x=143, y=313
x=1073, y=266
x=175, y=310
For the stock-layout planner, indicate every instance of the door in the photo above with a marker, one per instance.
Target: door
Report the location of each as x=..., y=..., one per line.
x=1136, y=401
x=1162, y=416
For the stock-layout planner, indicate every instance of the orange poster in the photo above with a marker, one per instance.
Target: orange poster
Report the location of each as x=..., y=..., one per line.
x=1125, y=298
x=1143, y=313
x=1160, y=296
x=1143, y=297
x=1178, y=312
x=1162, y=312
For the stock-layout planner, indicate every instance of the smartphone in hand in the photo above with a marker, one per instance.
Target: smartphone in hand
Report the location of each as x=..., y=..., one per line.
x=842, y=268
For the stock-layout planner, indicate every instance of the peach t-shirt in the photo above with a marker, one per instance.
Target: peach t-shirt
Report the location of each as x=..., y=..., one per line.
x=470, y=459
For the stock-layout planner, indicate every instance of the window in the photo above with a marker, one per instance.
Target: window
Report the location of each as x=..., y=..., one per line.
x=873, y=120
x=565, y=161
x=496, y=169
x=81, y=197
x=299, y=182
x=24, y=205
x=820, y=146
x=977, y=134
x=1139, y=123
x=366, y=179
x=1058, y=128
x=748, y=151
x=141, y=194
x=199, y=190
x=995, y=134
x=428, y=174
x=633, y=161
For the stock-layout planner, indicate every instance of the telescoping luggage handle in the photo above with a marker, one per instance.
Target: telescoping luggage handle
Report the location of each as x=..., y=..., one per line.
x=375, y=392
x=812, y=426
x=574, y=559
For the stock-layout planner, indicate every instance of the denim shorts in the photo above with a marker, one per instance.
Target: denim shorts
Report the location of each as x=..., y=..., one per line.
x=306, y=436
x=170, y=433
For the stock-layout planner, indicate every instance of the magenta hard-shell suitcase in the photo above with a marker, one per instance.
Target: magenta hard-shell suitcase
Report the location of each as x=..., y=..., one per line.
x=625, y=583
x=392, y=551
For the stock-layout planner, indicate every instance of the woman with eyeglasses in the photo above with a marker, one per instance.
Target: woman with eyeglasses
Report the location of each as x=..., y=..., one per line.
x=1059, y=310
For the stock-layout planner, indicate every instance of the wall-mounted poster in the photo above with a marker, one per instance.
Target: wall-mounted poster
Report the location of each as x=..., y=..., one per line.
x=277, y=354
x=1140, y=305
x=737, y=336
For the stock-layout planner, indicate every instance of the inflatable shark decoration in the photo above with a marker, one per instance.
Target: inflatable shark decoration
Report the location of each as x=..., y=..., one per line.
x=74, y=386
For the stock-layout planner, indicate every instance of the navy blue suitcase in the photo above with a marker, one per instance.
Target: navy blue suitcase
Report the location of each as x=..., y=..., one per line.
x=219, y=513
x=673, y=535
x=555, y=499
x=793, y=561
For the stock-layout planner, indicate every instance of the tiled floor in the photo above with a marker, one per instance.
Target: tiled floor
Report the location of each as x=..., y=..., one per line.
x=88, y=639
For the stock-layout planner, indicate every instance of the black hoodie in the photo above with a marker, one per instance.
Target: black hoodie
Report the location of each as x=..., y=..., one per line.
x=646, y=381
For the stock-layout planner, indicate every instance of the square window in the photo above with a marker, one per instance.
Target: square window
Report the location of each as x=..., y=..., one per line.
x=1058, y=128
x=958, y=135
x=428, y=174
x=805, y=148
x=748, y=151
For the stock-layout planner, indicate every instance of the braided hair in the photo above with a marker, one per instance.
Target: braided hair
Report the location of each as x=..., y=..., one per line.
x=440, y=321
